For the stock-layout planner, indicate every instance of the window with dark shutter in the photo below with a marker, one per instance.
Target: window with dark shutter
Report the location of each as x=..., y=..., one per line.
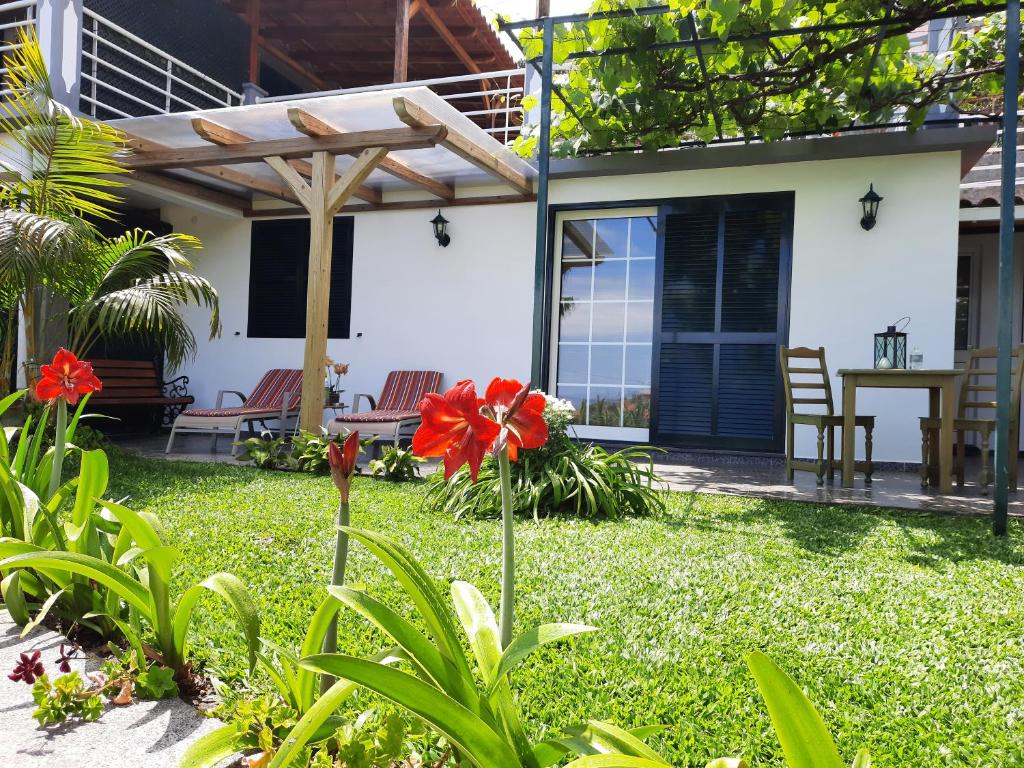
x=278, y=271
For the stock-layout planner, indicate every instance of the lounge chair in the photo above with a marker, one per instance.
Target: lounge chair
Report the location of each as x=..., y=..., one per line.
x=275, y=396
x=395, y=414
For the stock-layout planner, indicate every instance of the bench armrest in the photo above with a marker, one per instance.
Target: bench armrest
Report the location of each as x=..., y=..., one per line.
x=177, y=387
x=369, y=398
x=221, y=393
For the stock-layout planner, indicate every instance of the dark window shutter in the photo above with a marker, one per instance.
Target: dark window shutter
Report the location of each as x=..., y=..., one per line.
x=747, y=384
x=691, y=266
x=278, y=271
x=750, y=271
x=687, y=372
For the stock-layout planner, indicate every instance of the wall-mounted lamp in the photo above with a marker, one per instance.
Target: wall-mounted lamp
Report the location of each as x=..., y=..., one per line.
x=440, y=224
x=870, y=203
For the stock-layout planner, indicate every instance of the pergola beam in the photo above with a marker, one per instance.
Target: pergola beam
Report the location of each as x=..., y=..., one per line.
x=413, y=114
x=254, y=151
x=191, y=189
x=223, y=173
x=311, y=125
x=224, y=136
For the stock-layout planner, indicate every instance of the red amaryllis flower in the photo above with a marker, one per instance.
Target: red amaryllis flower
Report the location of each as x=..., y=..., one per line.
x=454, y=428
x=66, y=377
x=342, y=461
x=28, y=668
x=519, y=413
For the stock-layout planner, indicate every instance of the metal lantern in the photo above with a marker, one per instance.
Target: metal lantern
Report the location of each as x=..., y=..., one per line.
x=891, y=348
x=440, y=225
x=870, y=203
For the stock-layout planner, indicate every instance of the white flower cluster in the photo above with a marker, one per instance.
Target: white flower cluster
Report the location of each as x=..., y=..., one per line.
x=558, y=413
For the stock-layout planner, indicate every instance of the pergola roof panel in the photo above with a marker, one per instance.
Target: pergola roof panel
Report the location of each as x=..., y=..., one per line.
x=346, y=112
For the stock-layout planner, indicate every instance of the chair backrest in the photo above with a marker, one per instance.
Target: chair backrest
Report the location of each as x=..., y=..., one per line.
x=270, y=389
x=980, y=378
x=403, y=390
x=805, y=378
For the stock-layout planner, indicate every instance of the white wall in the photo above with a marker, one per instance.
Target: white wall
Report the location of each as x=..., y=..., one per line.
x=847, y=283
x=467, y=309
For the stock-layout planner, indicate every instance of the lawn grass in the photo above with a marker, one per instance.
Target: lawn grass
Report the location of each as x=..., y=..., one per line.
x=907, y=629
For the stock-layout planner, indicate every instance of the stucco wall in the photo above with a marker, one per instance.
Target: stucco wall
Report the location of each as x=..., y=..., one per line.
x=464, y=310
x=467, y=309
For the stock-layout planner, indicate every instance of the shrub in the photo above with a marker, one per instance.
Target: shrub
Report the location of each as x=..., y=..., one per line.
x=267, y=452
x=561, y=477
x=396, y=464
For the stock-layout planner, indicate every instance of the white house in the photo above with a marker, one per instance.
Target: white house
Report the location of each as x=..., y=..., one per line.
x=670, y=280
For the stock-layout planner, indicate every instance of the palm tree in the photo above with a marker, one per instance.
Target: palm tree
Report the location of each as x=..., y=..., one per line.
x=61, y=177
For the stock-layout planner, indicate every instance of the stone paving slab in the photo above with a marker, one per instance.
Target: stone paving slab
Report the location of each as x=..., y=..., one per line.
x=148, y=734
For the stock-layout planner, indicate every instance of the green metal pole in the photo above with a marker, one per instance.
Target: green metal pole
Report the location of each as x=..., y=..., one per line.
x=541, y=309
x=1004, y=337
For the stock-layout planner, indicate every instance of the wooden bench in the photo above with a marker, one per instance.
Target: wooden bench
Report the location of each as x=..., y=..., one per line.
x=135, y=384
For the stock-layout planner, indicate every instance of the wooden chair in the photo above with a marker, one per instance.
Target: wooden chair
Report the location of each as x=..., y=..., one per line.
x=979, y=377
x=804, y=371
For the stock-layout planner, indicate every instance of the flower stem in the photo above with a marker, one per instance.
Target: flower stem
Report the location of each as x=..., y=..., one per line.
x=57, y=466
x=337, y=579
x=508, y=555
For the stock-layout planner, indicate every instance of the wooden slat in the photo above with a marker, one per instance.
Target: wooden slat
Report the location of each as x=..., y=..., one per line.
x=191, y=189
x=223, y=136
x=805, y=370
x=254, y=151
x=810, y=400
x=807, y=385
x=231, y=175
x=413, y=114
x=311, y=125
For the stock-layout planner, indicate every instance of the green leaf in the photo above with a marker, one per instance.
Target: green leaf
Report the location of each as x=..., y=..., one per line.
x=309, y=724
x=43, y=611
x=598, y=737
x=92, y=483
x=157, y=683
x=319, y=625
x=471, y=735
x=526, y=643
x=14, y=599
x=863, y=759
x=728, y=762
x=805, y=740
x=421, y=588
x=73, y=562
x=615, y=761
x=421, y=651
x=235, y=594
x=210, y=749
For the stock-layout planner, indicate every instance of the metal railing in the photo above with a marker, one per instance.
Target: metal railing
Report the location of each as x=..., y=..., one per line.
x=123, y=75
x=13, y=17
x=492, y=100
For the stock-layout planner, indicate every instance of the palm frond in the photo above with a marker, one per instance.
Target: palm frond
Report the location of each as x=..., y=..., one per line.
x=136, y=287
x=64, y=160
x=33, y=247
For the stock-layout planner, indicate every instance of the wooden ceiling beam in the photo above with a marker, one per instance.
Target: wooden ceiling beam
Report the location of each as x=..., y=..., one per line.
x=397, y=205
x=223, y=173
x=290, y=63
x=401, y=71
x=224, y=136
x=192, y=189
x=413, y=114
x=446, y=34
x=311, y=125
x=420, y=137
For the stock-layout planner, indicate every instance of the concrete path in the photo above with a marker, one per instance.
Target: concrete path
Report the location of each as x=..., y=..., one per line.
x=148, y=734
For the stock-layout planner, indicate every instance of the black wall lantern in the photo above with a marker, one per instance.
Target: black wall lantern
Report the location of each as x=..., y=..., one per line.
x=440, y=225
x=870, y=203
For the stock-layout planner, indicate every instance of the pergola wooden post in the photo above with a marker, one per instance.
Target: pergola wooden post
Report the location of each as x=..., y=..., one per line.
x=322, y=198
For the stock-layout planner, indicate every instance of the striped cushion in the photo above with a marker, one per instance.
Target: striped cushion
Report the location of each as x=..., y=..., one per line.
x=240, y=411
x=270, y=390
x=403, y=390
x=377, y=417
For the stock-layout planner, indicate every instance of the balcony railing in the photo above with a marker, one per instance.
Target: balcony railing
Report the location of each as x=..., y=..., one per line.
x=13, y=17
x=125, y=76
x=492, y=100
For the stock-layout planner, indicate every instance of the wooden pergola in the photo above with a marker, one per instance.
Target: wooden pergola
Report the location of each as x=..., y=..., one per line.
x=317, y=167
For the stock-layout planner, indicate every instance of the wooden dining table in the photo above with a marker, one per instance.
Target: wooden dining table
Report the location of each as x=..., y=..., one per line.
x=941, y=386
